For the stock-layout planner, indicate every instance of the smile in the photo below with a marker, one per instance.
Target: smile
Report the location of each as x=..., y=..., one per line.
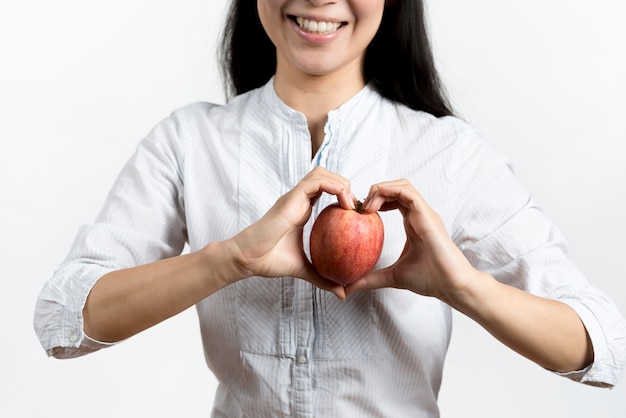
x=314, y=26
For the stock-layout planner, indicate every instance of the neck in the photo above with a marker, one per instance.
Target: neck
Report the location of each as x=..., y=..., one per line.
x=315, y=96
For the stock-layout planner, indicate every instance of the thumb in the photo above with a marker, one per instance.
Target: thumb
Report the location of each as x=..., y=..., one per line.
x=312, y=276
x=375, y=279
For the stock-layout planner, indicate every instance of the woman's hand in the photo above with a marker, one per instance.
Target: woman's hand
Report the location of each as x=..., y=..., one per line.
x=430, y=264
x=272, y=247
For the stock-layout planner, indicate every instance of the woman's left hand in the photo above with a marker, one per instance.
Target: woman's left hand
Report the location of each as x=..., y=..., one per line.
x=430, y=264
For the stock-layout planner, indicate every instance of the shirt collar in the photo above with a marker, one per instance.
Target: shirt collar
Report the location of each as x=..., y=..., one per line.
x=356, y=108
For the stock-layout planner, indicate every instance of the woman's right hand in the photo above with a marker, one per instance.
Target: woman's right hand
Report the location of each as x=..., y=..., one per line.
x=272, y=247
x=127, y=301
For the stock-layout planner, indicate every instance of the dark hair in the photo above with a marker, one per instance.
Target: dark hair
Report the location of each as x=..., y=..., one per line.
x=398, y=62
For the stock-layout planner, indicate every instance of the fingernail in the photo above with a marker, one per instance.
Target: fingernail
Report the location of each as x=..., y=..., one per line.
x=353, y=200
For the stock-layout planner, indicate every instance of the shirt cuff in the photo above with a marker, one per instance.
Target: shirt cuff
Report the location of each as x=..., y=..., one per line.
x=59, y=319
x=605, y=371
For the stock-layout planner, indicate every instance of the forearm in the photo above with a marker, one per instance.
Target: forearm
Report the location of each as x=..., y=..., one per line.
x=125, y=302
x=547, y=332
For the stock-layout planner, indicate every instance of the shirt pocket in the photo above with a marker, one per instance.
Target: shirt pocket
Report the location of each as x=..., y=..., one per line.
x=345, y=329
x=278, y=317
x=261, y=322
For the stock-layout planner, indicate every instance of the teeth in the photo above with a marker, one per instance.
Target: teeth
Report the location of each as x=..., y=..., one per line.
x=317, y=27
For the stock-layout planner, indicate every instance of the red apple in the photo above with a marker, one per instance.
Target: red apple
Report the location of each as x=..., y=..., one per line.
x=346, y=243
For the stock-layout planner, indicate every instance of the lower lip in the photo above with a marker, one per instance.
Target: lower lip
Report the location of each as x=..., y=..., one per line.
x=317, y=38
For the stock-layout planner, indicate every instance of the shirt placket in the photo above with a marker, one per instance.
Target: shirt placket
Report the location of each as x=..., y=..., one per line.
x=298, y=326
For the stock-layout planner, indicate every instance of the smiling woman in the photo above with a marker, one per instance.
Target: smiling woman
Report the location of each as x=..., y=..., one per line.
x=317, y=116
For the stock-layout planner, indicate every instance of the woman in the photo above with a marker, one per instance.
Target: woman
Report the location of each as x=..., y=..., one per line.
x=332, y=99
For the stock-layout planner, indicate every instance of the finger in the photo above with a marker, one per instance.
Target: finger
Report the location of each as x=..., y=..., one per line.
x=381, y=194
x=399, y=194
x=321, y=180
x=376, y=279
x=311, y=276
x=347, y=200
x=388, y=206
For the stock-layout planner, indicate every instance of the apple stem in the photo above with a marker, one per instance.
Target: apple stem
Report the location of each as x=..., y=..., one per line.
x=358, y=206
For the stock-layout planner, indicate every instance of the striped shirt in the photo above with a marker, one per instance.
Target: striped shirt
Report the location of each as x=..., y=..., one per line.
x=282, y=347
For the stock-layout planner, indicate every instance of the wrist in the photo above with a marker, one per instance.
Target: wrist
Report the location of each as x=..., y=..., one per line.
x=472, y=297
x=224, y=262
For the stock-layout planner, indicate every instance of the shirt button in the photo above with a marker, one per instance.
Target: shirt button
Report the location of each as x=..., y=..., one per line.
x=302, y=360
x=73, y=337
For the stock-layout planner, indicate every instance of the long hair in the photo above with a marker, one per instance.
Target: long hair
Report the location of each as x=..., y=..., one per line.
x=398, y=62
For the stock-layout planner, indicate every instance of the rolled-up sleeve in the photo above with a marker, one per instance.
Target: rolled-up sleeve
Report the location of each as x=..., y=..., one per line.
x=59, y=312
x=141, y=221
x=503, y=231
x=606, y=331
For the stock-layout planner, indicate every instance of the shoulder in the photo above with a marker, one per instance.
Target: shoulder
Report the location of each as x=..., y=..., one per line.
x=414, y=126
x=447, y=128
x=199, y=121
x=449, y=146
x=205, y=114
x=424, y=132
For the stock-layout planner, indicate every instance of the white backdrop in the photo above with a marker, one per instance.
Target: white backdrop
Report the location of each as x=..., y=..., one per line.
x=82, y=82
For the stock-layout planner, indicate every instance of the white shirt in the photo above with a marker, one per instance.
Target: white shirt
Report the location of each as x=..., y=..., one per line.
x=281, y=347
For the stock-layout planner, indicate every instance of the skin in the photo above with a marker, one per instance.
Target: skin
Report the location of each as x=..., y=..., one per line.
x=125, y=302
x=316, y=74
x=432, y=265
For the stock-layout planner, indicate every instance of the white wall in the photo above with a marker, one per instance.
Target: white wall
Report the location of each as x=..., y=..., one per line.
x=82, y=82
